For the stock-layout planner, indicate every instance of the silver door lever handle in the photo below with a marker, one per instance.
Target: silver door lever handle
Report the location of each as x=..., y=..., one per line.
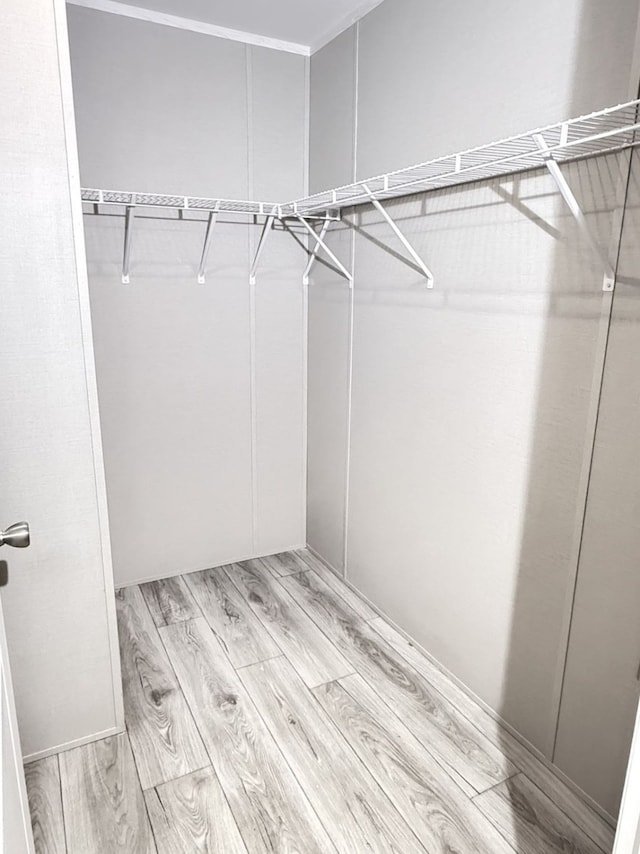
x=16, y=535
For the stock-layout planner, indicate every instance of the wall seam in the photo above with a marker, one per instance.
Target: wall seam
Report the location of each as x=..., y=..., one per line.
x=305, y=306
x=252, y=309
x=352, y=292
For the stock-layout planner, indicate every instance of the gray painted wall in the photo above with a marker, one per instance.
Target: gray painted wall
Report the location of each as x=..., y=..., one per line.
x=332, y=120
x=467, y=435
x=57, y=595
x=601, y=687
x=444, y=75
x=331, y=163
x=201, y=386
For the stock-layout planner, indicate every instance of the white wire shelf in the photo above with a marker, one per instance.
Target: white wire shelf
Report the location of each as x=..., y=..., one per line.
x=127, y=198
x=602, y=132
x=606, y=131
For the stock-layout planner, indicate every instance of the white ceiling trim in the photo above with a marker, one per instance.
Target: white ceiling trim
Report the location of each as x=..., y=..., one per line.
x=140, y=14
x=344, y=23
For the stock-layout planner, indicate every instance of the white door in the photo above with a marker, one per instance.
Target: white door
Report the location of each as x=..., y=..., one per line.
x=15, y=824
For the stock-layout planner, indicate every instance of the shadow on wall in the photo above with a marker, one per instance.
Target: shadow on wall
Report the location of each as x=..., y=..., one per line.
x=475, y=405
x=576, y=588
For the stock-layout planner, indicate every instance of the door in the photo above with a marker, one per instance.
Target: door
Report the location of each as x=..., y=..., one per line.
x=15, y=824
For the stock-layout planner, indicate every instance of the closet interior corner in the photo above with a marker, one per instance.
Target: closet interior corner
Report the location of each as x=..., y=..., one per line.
x=322, y=404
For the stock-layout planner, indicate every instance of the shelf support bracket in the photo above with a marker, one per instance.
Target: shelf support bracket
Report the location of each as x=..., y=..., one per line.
x=128, y=229
x=314, y=253
x=266, y=228
x=574, y=206
x=213, y=216
x=320, y=244
x=427, y=272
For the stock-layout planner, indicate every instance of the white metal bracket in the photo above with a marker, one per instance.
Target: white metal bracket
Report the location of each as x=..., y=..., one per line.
x=213, y=216
x=314, y=253
x=427, y=272
x=266, y=229
x=320, y=244
x=566, y=192
x=128, y=229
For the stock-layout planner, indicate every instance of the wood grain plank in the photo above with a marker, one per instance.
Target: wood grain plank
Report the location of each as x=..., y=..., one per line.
x=242, y=635
x=443, y=818
x=355, y=602
x=169, y=601
x=45, y=805
x=349, y=802
x=568, y=801
x=314, y=657
x=268, y=804
x=530, y=820
x=191, y=815
x=164, y=737
x=285, y=563
x=438, y=725
x=103, y=804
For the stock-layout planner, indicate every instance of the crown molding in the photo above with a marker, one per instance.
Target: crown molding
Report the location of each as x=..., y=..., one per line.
x=116, y=8
x=343, y=24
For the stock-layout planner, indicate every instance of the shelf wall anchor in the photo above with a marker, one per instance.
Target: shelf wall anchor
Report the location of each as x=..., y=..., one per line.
x=574, y=206
x=320, y=244
x=314, y=253
x=266, y=229
x=128, y=229
x=213, y=216
x=427, y=272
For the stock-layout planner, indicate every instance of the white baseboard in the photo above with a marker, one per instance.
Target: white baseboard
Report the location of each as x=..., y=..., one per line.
x=553, y=769
x=69, y=745
x=162, y=575
x=339, y=574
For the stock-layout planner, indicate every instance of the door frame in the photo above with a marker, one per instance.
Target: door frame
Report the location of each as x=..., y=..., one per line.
x=9, y=721
x=628, y=832
x=82, y=280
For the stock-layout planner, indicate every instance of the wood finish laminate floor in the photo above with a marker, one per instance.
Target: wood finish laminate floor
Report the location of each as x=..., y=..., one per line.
x=270, y=709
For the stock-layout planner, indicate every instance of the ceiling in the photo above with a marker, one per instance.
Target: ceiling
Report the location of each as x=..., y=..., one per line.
x=311, y=23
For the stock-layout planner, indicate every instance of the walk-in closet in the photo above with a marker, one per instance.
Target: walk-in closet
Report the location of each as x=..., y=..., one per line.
x=320, y=434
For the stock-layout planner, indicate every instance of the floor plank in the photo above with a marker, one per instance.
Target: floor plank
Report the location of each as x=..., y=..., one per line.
x=242, y=635
x=103, y=804
x=440, y=814
x=594, y=826
x=348, y=800
x=169, y=601
x=164, y=737
x=440, y=727
x=285, y=563
x=191, y=816
x=271, y=810
x=398, y=748
x=531, y=821
x=45, y=805
x=355, y=602
x=314, y=657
